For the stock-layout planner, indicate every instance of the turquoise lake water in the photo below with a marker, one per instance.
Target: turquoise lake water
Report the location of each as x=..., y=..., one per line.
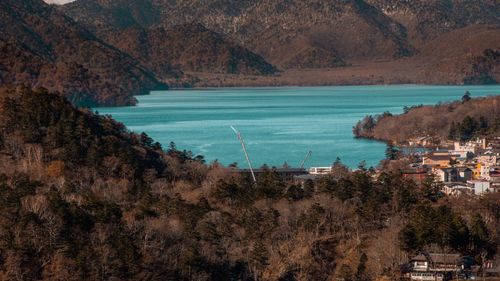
x=278, y=124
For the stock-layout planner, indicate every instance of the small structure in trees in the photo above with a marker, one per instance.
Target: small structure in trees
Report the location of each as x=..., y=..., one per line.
x=434, y=266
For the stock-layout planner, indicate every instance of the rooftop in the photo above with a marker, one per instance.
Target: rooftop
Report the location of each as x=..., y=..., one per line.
x=438, y=157
x=278, y=170
x=438, y=258
x=306, y=177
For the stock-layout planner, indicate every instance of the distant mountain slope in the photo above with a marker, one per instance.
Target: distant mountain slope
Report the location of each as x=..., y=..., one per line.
x=42, y=47
x=465, y=55
x=427, y=19
x=290, y=34
x=437, y=41
x=100, y=15
x=189, y=47
x=130, y=26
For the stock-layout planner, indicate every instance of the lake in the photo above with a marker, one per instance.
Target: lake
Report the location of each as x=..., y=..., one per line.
x=278, y=124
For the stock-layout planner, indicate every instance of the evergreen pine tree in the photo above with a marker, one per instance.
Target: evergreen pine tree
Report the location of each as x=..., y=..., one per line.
x=466, y=97
x=259, y=254
x=480, y=235
x=391, y=152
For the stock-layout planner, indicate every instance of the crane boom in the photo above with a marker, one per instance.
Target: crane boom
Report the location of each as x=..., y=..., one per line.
x=305, y=159
x=240, y=138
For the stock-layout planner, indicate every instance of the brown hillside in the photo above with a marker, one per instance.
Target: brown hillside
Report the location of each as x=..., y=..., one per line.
x=42, y=47
x=434, y=121
x=431, y=41
x=428, y=19
x=288, y=34
x=189, y=47
x=453, y=56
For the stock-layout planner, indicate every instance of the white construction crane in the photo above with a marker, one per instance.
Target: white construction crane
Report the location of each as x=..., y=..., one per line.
x=305, y=159
x=240, y=138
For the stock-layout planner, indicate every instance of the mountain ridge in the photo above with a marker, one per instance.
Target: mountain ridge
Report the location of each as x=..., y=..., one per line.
x=100, y=52
x=43, y=47
x=189, y=47
x=315, y=34
x=58, y=54
x=263, y=33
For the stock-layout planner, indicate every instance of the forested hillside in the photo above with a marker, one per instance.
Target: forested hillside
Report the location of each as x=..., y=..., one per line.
x=84, y=199
x=40, y=46
x=105, y=52
x=189, y=47
x=435, y=41
x=459, y=120
x=290, y=34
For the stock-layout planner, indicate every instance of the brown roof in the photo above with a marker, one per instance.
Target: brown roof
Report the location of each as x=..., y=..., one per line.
x=277, y=170
x=438, y=258
x=438, y=157
x=415, y=171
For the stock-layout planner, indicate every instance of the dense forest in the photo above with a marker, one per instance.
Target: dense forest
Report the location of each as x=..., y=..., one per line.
x=83, y=198
x=460, y=120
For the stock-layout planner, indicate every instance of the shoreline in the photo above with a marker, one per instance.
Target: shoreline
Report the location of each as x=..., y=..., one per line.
x=316, y=86
x=404, y=71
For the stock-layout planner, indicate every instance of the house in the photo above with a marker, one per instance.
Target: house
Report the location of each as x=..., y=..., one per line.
x=470, y=146
x=320, y=170
x=492, y=268
x=441, y=152
x=421, y=141
x=456, y=189
x=482, y=171
x=446, y=174
x=488, y=158
x=464, y=150
x=438, y=160
x=495, y=179
x=464, y=174
x=417, y=174
x=480, y=186
x=285, y=174
x=434, y=266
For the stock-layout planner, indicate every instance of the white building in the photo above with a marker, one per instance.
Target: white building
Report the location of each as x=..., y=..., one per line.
x=484, y=172
x=480, y=186
x=488, y=159
x=320, y=170
x=457, y=188
x=446, y=174
x=469, y=148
